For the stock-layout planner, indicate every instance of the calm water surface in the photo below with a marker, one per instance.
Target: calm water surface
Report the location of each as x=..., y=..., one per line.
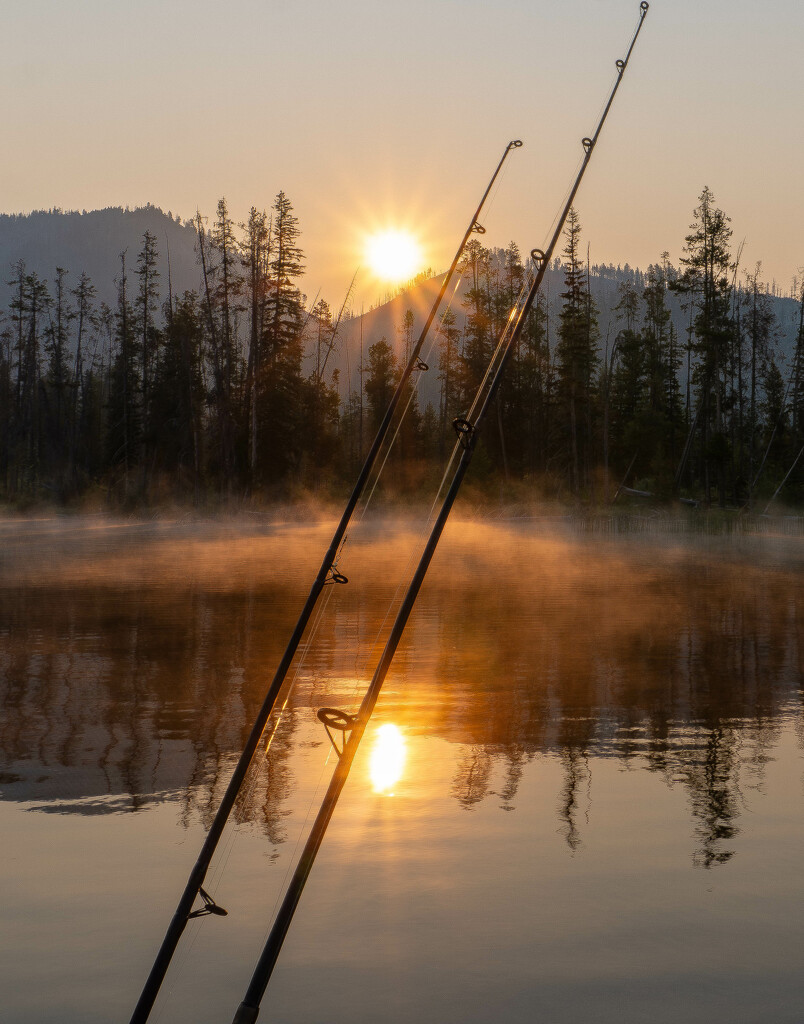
x=590, y=810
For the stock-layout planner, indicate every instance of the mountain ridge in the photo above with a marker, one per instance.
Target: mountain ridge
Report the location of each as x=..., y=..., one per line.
x=92, y=241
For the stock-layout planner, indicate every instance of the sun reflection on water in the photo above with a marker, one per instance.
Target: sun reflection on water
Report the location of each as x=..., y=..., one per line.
x=387, y=759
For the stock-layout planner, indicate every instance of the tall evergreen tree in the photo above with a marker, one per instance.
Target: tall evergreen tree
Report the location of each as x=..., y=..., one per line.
x=124, y=420
x=449, y=337
x=283, y=393
x=797, y=388
x=58, y=383
x=177, y=394
x=576, y=355
x=379, y=384
x=663, y=359
x=146, y=306
x=477, y=340
x=626, y=384
x=255, y=260
x=759, y=324
x=529, y=394
x=221, y=268
x=86, y=323
x=705, y=283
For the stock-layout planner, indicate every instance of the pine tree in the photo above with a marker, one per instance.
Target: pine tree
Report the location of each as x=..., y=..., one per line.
x=80, y=416
x=449, y=337
x=33, y=311
x=797, y=389
x=663, y=360
x=627, y=384
x=6, y=402
x=528, y=395
x=477, y=340
x=283, y=393
x=576, y=356
x=255, y=260
x=379, y=384
x=145, y=308
x=124, y=422
x=704, y=281
x=220, y=264
x=773, y=419
x=408, y=437
x=406, y=331
x=759, y=322
x=58, y=383
x=178, y=393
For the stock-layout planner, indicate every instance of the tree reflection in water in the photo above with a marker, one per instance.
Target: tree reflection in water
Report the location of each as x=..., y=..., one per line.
x=124, y=686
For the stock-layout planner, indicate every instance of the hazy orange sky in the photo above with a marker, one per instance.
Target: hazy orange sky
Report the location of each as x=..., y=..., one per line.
x=371, y=114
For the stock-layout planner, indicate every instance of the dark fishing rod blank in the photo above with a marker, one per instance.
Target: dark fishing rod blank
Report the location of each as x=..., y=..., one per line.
x=354, y=726
x=326, y=574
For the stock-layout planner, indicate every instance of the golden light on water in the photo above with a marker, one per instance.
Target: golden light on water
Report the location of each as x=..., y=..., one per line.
x=394, y=255
x=387, y=758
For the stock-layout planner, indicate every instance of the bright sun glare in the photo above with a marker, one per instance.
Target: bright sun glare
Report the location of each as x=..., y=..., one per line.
x=394, y=255
x=387, y=758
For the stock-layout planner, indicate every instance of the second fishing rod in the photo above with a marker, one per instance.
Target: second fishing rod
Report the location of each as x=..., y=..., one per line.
x=327, y=574
x=354, y=726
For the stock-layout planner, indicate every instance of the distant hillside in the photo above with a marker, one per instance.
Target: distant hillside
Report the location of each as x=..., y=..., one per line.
x=386, y=321
x=92, y=242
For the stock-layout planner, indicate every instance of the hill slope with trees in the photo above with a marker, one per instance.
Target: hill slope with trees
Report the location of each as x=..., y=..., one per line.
x=139, y=378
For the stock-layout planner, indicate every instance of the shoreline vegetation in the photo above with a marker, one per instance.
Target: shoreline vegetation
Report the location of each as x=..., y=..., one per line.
x=226, y=397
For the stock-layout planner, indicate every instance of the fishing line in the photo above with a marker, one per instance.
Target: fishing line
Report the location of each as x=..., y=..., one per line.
x=414, y=393
x=292, y=857
x=412, y=557
x=247, y=791
x=366, y=501
x=548, y=234
x=427, y=523
x=417, y=384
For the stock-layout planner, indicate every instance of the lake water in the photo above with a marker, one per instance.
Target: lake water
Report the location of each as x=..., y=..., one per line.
x=590, y=811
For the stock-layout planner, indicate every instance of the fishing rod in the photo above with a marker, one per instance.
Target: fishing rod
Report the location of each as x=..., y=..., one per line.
x=352, y=727
x=327, y=574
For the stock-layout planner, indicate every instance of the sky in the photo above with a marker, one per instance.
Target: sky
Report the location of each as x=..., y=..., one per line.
x=369, y=114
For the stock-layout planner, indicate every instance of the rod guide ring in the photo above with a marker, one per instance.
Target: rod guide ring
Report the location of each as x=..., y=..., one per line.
x=334, y=718
x=538, y=256
x=587, y=145
x=465, y=431
x=515, y=144
x=209, y=907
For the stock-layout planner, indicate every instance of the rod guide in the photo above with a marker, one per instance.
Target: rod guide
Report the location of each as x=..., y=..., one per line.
x=333, y=719
x=209, y=907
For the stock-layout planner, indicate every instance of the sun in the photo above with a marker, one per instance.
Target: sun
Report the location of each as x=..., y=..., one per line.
x=387, y=758
x=394, y=255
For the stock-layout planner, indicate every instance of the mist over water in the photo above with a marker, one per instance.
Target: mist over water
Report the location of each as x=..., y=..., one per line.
x=588, y=721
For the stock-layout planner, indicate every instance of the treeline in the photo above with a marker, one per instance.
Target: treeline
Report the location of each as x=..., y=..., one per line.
x=229, y=390
x=185, y=394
